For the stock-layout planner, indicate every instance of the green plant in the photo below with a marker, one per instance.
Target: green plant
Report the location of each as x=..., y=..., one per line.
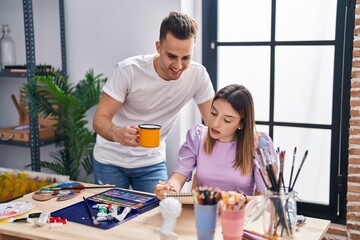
x=50, y=95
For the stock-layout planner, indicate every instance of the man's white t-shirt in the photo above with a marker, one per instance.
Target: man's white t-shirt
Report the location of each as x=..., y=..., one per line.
x=147, y=98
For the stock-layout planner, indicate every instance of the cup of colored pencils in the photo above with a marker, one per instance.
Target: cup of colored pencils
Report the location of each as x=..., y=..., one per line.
x=205, y=209
x=232, y=215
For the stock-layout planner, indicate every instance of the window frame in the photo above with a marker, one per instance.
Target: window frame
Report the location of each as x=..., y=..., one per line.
x=343, y=43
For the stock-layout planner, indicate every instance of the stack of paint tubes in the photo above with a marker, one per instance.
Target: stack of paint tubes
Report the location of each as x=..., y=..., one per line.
x=110, y=212
x=43, y=218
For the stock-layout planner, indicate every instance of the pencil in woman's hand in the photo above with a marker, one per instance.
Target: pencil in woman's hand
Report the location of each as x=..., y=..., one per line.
x=171, y=188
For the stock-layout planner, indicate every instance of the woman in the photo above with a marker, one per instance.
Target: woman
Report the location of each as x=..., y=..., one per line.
x=224, y=152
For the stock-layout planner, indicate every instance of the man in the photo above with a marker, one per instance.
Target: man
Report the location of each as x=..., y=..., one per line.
x=148, y=89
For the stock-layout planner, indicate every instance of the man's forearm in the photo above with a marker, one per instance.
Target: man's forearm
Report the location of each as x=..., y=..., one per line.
x=105, y=128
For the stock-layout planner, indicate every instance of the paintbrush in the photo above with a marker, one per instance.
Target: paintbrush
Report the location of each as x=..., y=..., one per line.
x=76, y=188
x=292, y=167
x=297, y=174
x=261, y=174
x=269, y=169
x=91, y=215
x=281, y=177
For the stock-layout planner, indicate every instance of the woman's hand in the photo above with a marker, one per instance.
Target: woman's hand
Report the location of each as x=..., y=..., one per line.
x=161, y=188
x=173, y=185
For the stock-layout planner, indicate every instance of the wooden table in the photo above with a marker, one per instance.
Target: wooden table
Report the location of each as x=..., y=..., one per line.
x=141, y=227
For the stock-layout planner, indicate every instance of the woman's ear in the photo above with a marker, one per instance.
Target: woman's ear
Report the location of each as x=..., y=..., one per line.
x=242, y=122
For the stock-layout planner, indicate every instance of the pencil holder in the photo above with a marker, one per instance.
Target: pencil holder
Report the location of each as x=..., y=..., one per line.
x=279, y=216
x=205, y=221
x=232, y=223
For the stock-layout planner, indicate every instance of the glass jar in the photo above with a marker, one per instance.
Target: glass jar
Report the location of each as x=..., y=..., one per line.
x=7, y=48
x=279, y=215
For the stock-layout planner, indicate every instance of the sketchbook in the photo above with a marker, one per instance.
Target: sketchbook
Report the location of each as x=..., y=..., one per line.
x=184, y=198
x=138, y=201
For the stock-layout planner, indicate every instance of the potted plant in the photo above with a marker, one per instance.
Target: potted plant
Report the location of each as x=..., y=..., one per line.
x=50, y=95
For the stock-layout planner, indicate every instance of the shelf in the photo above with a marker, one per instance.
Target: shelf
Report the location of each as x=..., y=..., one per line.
x=13, y=74
x=42, y=142
x=21, y=71
x=34, y=143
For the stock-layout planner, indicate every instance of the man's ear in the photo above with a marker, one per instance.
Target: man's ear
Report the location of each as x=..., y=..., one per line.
x=158, y=46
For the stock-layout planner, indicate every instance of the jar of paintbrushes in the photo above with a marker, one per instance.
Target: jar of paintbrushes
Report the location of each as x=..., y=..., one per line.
x=279, y=215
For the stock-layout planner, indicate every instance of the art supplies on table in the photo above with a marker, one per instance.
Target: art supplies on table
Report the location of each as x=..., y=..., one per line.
x=251, y=235
x=281, y=205
x=170, y=209
x=133, y=202
x=12, y=209
x=43, y=219
x=271, y=174
x=231, y=201
x=63, y=190
x=206, y=211
x=184, y=198
x=206, y=216
x=231, y=209
x=91, y=214
x=72, y=190
x=127, y=198
x=254, y=208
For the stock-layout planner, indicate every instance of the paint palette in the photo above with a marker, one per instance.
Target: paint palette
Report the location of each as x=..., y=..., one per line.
x=12, y=209
x=51, y=191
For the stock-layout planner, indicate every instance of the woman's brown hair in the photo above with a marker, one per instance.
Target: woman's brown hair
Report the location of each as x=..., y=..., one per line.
x=241, y=100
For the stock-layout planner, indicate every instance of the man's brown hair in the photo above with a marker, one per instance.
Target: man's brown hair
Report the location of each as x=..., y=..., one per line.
x=180, y=25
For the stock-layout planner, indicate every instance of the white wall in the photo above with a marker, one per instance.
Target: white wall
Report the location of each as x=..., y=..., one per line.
x=99, y=33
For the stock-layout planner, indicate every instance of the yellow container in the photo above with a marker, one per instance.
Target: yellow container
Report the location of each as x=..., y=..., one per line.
x=149, y=135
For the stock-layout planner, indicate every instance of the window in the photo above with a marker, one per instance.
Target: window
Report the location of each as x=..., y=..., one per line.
x=295, y=57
